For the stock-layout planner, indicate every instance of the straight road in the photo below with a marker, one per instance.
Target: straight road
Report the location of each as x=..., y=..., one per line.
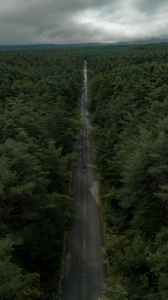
x=85, y=271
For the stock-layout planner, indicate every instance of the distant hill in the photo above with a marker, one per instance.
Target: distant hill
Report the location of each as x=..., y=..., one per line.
x=82, y=45
x=46, y=46
x=142, y=41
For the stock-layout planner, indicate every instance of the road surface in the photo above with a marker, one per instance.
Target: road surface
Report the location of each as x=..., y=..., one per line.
x=85, y=271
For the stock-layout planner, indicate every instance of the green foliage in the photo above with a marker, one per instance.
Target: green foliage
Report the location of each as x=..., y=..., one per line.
x=10, y=283
x=39, y=99
x=30, y=289
x=129, y=129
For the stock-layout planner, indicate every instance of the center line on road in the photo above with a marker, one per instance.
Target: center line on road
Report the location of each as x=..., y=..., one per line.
x=84, y=244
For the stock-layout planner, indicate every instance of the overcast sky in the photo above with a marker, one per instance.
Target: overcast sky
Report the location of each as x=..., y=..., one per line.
x=81, y=21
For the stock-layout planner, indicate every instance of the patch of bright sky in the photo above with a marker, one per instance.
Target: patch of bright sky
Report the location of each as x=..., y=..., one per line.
x=124, y=23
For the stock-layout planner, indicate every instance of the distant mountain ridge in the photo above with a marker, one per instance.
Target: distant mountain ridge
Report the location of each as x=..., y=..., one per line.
x=46, y=46
x=54, y=46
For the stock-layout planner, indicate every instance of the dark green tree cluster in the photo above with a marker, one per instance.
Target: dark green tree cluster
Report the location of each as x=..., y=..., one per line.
x=39, y=103
x=129, y=106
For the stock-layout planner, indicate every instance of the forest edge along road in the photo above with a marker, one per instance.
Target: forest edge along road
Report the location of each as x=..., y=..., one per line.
x=84, y=270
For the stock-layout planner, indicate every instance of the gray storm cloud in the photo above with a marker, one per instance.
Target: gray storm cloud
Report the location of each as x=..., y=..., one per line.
x=76, y=21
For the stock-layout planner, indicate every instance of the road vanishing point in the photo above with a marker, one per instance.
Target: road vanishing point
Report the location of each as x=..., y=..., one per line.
x=84, y=267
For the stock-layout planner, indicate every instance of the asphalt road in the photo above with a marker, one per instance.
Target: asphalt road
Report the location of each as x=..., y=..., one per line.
x=85, y=271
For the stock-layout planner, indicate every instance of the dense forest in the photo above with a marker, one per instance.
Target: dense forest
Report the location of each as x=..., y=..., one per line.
x=39, y=121
x=128, y=91
x=39, y=103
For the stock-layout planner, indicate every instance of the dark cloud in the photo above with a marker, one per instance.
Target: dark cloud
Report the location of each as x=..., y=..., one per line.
x=78, y=21
x=150, y=6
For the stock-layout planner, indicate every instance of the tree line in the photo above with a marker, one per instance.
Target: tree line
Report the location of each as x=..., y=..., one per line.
x=128, y=92
x=39, y=120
